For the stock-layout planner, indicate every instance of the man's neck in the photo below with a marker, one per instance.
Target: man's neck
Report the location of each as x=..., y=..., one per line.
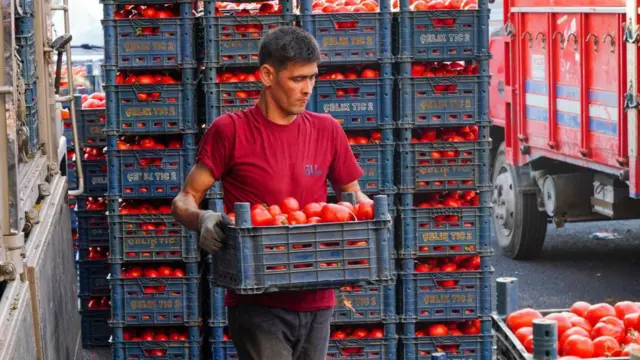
x=272, y=111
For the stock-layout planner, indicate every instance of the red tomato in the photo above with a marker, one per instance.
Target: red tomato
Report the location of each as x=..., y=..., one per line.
x=376, y=334
x=280, y=220
x=522, y=318
x=274, y=210
x=573, y=331
x=314, y=220
x=335, y=213
x=606, y=346
x=258, y=206
x=365, y=210
x=528, y=344
x=289, y=204
x=609, y=326
x=347, y=205
x=624, y=308
x=165, y=271
x=150, y=272
x=178, y=273
x=261, y=217
x=422, y=268
x=339, y=334
x=144, y=79
x=135, y=272
x=577, y=345
x=297, y=218
x=632, y=321
x=438, y=330
x=369, y=74
x=312, y=210
x=599, y=311
x=360, y=333
x=581, y=322
x=147, y=143
x=563, y=323
x=523, y=334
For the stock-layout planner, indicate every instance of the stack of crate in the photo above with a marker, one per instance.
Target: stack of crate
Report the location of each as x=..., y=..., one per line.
x=442, y=174
x=151, y=132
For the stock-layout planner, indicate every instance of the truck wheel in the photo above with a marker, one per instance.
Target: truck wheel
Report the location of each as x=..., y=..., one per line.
x=520, y=227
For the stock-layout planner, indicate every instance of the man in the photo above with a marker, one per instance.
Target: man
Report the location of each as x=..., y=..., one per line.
x=262, y=155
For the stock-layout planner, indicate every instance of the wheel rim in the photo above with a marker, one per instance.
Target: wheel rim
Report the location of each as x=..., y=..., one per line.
x=504, y=201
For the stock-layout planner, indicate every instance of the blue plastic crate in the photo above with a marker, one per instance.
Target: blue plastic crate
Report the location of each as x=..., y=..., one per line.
x=93, y=229
x=440, y=35
x=443, y=165
x=95, y=177
x=149, y=43
x=95, y=330
x=156, y=301
x=27, y=54
x=440, y=100
x=234, y=40
x=91, y=123
x=149, y=237
x=92, y=305
x=93, y=278
x=366, y=304
x=148, y=173
x=310, y=256
x=466, y=347
x=226, y=97
x=443, y=231
x=445, y=296
x=170, y=349
x=367, y=348
x=351, y=37
x=221, y=346
x=151, y=109
x=376, y=160
x=355, y=103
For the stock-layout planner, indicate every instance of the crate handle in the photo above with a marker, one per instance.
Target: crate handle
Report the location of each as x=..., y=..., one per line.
x=144, y=23
x=144, y=282
x=343, y=84
x=153, y=345
x=146, y=88
x=246, y=20
x=349, y=344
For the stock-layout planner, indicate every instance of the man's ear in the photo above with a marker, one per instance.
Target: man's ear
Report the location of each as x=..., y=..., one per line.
x=267, y=75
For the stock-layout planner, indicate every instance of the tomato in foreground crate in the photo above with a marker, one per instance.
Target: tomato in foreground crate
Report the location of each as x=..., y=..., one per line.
x=449, y=134
x=356, y=332
x=96, y=100
x=448, y=264
x=445, y=199
x=155, y=334
x=147, y=12
x=148, y=143
x=150, y=271
x=585, y=331
x=455, y=328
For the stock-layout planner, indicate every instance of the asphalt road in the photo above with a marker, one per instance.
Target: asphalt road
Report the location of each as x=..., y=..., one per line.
x=574, y=266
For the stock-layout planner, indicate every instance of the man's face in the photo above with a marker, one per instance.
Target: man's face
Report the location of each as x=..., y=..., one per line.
x=291, y=87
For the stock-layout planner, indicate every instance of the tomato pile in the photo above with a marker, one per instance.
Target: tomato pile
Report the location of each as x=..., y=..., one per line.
x=137, y=271
x=147, y=12
x=96, y=100
x=147, y=77
x=148, y=143
x=349, y=72
x=341, y=6
x=290, y=213
x=454, y=328
x=238, y=76
x=98, y=253
x=248, y=9
x=455, y=68
x=585, y=331
x=451, y=134
x=448, y=264
x=364, y=138
x=99, y=303
x=346, y=332
x=449, y=199
x=95, y=204
x=93, y=153
x=431, y=5
x=155, y=334
x=142, y=207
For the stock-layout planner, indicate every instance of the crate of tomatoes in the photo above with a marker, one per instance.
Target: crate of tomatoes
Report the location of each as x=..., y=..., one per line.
x=149, y=35
x=461, y=340
x=145, y=231
x=91, y=119
x=440, y=94
x=151, y=101
x=365, y=304
x=444, y=223
x=155, y=294
x=139, y=343
x=449, y=158
x=358, y=96
x=149, y=166
x=445, y=288
x=94, y=169
x=289, y=247
x=93, y=277
x=363, y=341
x=439, y=30
x=232, y=32
x=93, y=229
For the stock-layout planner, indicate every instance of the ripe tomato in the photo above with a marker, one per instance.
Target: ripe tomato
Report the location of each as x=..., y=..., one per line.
x=314, y=220
x=632, y=321
x=289, y=204
x=599, y=311
x=360, y=333
x=297, y=218
x=347, y=205
x=369, y=74
x=609, y=326
x=563, y=323
x=364, y=210
x=312, y=210
x=135, y=272
x=274, y=210
x=144, y=79
x=528, y=344
x=606, y=346
x=624, y=308
x=280, y=220
x=335, y=213
x=438, y=330
x=261, y=217
x=339, y=334
x=577, y=345
x=175, y=144
x=178, y=273
x=147, y=143
x=376, y=334
x=150, y=272
x=522, y=318
x=165, y=271
x=573, y=331
x=523, y=334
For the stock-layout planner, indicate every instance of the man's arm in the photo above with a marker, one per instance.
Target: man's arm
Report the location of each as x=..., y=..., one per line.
x=353, y=187
x=185, y=207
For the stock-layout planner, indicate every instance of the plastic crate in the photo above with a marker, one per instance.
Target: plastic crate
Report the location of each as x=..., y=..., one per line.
x=95, y=177
x=440, y=35
x=376, y=160
x=95, y=330
x=355, y=103
x=468, y=347
x=351, y=37
x=368, y=303
x=443, y=165
x=226, y=97
x=133, y=240
x=27, y=53
x=156, y=301
x=143, y=350
x=443, y=231
x=91, y=123
x=312, y=256
x=221, y=349
x=149, y=173
x=431, y=101
x=426, y=298
x=129, y=44
x=234, y=40
x=367, y=348
x=172, y=111
x=93, y=229
x=93, y=278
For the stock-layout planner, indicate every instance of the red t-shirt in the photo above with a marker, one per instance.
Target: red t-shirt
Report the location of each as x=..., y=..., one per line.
x=260, y=161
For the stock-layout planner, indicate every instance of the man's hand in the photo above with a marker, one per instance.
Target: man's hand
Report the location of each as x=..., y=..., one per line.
x=212, y=225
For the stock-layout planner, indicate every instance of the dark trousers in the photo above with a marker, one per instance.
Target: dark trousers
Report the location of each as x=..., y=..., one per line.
x=264, y=333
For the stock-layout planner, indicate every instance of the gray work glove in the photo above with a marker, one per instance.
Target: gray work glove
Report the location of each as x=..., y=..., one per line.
x=212, y=230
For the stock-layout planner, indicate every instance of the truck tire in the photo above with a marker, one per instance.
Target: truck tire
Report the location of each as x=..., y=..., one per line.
x=520, y=227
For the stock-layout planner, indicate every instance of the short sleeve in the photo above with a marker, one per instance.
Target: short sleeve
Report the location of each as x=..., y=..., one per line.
x=216, y=146
x=344, y=167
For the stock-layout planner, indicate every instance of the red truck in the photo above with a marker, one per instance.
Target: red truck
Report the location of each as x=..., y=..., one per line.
x=564, y=112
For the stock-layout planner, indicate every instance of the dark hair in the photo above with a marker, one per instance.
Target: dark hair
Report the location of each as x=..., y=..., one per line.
x=287, y=44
